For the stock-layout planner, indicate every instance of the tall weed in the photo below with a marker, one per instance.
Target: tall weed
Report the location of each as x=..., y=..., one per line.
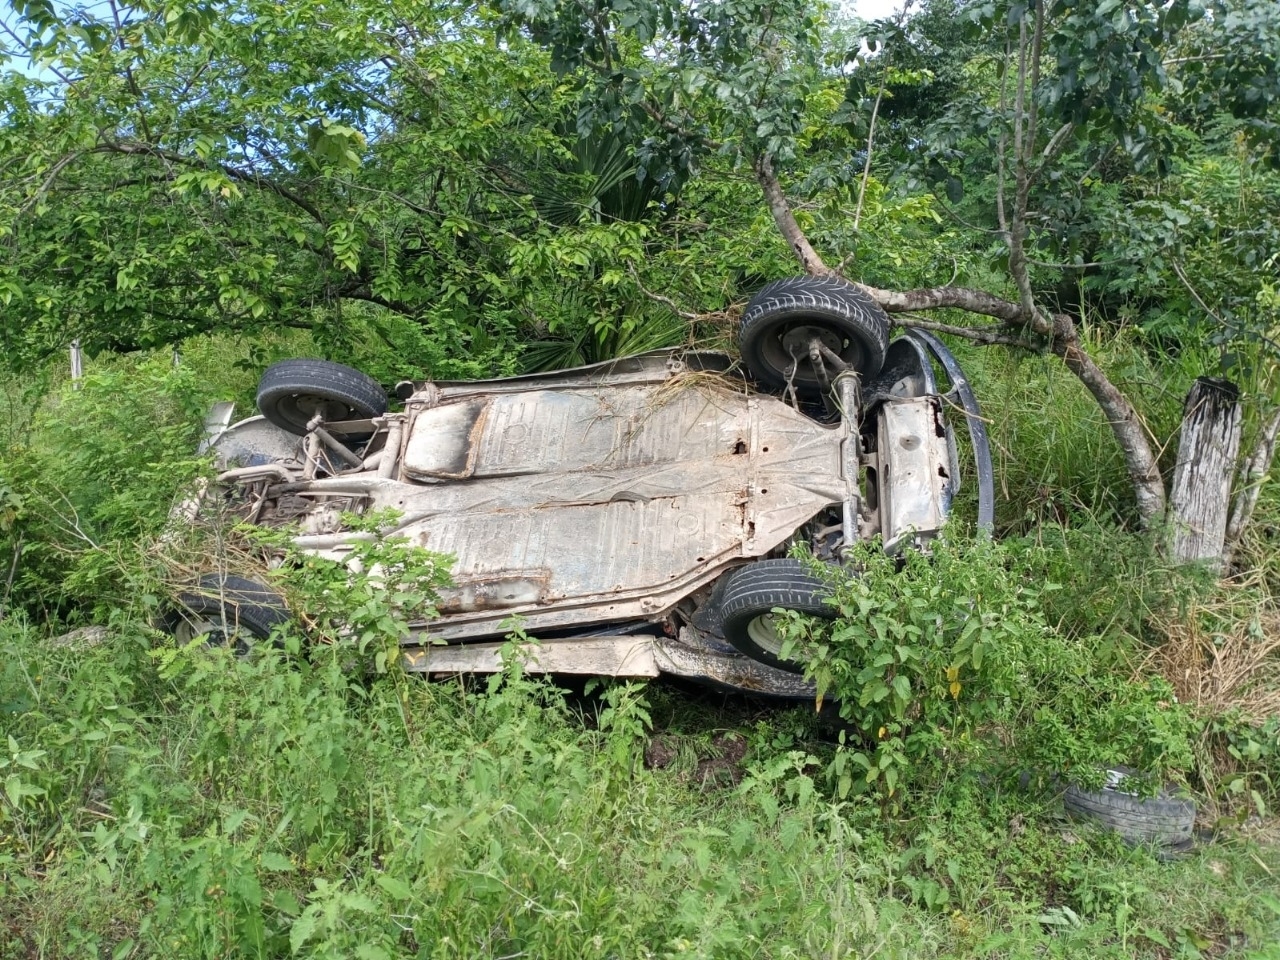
x=91, y=482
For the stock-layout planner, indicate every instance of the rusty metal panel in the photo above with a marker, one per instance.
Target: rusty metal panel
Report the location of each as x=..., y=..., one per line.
x=915, y=467
x=570, y=430
x=591, y=656
x=587, y=503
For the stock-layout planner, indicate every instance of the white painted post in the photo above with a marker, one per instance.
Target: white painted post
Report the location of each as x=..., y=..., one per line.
x=77, y=363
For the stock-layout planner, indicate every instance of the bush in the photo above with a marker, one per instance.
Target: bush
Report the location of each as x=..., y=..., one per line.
x=84, y=491
x=944, y=658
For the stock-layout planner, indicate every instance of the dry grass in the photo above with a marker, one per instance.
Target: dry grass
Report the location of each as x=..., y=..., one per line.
x=1221, y=658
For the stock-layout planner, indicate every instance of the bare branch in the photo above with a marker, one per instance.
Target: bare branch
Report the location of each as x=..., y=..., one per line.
x=1071, y=266
x=983, y=335
x=671, y=126
x=367, y=296
x=1253, y=472
x=665, y=301
x=1022, y=185
x=128, y=70
x=960, y=298
x=1126, y=423
x=26, y=48
x=1177, y=268
x=871, y=139
x=786, y=220
x=49, y=180
x=1002, y=151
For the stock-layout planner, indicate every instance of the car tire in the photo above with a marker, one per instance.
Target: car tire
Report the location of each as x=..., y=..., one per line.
x=787, y=313
x=753, y=592
x=291, y=392
x=231, y=610
x=1166, y=820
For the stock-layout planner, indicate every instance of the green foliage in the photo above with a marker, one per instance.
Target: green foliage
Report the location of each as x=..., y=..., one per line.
x=935, y=659
x=360, y=608
x=360, y=160
x=92, y=480
x=267, y=808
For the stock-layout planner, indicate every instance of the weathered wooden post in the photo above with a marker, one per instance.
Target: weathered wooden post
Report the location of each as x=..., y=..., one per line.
x=77, y=363
x=1201, y=494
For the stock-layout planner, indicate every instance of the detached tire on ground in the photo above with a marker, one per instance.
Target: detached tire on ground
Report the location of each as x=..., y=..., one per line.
x=230, y=610
x=291, y=392
x=786, y=315
x=753, y=592
x=1166, y=820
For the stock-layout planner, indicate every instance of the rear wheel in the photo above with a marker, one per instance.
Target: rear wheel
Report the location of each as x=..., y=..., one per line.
x=753, y=592
x=227, y=610
x=787, y=317
x=292, y=392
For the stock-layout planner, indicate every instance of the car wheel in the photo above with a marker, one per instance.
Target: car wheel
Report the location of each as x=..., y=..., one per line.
x=753, y=592
x=291, y=392
x=229, y=610
x=785, y=316
x=1166, y=819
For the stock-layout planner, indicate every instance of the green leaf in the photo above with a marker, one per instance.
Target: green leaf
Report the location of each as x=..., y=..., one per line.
x=303, y=928
x=396, y=887
x=276, y=862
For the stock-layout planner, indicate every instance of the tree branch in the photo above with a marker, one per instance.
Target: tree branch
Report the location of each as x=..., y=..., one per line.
x=47, y=185
x=1002, y=151
x=244, y=176
x=1253, y=472
x=1127, y=426
x=658, y=117
x=871, y=139
x=665, y=301
x=983, y=335
x=1022, y=185
x=786, y=220
x=367, y=296
x=932, y=298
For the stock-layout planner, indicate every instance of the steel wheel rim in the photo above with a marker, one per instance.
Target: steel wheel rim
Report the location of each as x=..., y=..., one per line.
x=299, y=408
x=764, y=634
x=776, y=349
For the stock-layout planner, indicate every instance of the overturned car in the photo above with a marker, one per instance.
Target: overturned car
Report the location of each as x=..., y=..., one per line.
x=635, y=515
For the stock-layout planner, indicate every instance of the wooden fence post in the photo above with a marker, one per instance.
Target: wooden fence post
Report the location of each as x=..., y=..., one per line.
x=77, y=363
x=1201, y=493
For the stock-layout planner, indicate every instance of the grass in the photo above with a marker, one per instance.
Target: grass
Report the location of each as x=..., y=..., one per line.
x=166, y=802
x=209, y=807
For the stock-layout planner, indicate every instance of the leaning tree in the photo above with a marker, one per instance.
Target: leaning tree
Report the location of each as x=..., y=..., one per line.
x=1053, y=89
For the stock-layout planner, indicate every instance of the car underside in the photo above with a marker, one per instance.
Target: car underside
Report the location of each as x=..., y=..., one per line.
x=639, y=516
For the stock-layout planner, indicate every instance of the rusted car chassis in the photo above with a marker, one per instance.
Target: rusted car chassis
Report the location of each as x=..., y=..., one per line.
x=634, y=515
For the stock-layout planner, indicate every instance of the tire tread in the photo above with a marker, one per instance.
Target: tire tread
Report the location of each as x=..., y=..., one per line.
x=357, y=390
x=1162, y=819
x=762, y=586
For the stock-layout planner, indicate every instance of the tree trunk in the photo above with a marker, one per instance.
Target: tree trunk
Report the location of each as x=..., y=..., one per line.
x=786, y=220
x=1249, y=484
x=1201, y=493
x=1126, y=425
x=1064, y=339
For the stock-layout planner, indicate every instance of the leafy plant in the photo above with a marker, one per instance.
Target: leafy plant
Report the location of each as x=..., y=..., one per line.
x=365, y=603
x=937, y=659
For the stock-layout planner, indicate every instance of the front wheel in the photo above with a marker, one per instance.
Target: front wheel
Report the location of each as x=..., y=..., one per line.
x=291, y=392
x=753, y=592
x=787, y=317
